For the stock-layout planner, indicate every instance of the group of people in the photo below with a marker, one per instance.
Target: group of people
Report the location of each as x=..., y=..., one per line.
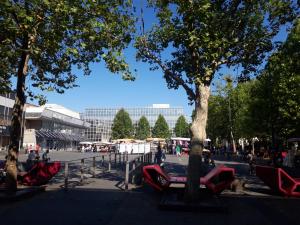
x=177, y=148
x=34, y=156
x=160, y=154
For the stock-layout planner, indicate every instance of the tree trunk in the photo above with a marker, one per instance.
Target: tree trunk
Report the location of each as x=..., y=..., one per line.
x=16, y=122
x=198, y=130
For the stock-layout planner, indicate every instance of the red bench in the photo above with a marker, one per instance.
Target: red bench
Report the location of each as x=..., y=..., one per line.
x=216, y=180
x=40, y=173
x=279, y=181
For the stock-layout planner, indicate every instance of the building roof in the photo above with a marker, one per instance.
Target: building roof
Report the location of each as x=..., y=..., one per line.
x=55, y=112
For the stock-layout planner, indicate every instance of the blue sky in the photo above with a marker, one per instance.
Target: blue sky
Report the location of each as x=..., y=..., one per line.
x=104, y=89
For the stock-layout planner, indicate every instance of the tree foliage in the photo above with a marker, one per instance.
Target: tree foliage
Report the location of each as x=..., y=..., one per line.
x=217, y=123
x=122, y=125
x=239, y=99
x=57, y=35
x=202, y=36
x=268, y=106
x=143, y=129
x=278, y=90
x=161, y=128
x=181, y=127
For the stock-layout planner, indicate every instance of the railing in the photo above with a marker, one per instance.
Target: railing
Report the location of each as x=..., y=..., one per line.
x=107, y=163
x=135, y=165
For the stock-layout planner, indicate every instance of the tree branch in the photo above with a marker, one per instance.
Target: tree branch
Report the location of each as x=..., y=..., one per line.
x=169, y=73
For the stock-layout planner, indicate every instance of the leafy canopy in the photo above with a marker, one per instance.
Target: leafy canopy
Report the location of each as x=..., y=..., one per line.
x=143, y=129
x=181, y=127
x=161, y=128
x=200, y=37
x=122, y=125
x=60, y=34
x=266, y=106
x=278, y=89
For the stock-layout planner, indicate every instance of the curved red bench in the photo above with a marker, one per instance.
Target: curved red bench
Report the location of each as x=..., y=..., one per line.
x=216, y=180
x=279, y=180
x=40, y=173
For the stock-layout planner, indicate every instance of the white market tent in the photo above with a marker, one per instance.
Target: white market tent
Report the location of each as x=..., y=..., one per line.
x=185, y=139
x=85, y=143
x=180, y=139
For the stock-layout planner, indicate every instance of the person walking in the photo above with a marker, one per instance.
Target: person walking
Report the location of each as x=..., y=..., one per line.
x=178, y=150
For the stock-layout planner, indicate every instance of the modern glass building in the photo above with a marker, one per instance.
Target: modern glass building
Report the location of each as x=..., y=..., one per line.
x=101, y=119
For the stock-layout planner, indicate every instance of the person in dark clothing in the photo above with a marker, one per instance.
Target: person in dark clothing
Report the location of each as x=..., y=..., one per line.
x=45, y=156
x=159, y=155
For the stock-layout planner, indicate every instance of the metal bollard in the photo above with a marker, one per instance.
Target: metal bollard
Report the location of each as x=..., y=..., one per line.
x=81, y=170
x=133, y=169
x=124, y=157
x=94, y=166
x=109, y=162
x=126, y=175
x=115, y=159
x=120, y=159
x=66, y=175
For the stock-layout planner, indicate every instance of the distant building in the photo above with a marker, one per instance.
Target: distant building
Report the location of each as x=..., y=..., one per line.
x=101, y=119
x=6, y=104
x=53, y=127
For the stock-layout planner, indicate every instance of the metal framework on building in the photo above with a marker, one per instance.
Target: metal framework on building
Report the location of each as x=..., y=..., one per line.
x=101, y=119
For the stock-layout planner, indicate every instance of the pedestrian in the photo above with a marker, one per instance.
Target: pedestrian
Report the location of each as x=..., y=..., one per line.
x=45, y=156
x=251, y=164
x=178, y=150
x=173, y=147
x=158, y=155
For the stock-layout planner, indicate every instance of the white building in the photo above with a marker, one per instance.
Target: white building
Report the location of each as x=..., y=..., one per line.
x=53, y=127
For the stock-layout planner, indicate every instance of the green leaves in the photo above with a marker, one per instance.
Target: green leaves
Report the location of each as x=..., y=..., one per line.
x=161, y=128
x=265, y=107
x=63, y=34
x=207, y=35
x=142, y=129
x=122, y=126
x=182, y=127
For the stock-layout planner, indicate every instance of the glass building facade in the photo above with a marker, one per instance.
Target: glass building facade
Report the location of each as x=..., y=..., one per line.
x=101, y=119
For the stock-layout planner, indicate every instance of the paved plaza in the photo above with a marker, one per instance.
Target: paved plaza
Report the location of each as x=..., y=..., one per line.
x=102, y=200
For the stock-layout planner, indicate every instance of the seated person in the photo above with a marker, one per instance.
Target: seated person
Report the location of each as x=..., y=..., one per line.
x=45, y=156
x=33, y=157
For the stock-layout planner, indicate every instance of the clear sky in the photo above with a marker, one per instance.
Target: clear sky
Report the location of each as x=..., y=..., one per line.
x=104, y=89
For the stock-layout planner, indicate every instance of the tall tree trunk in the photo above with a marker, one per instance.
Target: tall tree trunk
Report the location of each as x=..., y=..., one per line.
x=16, y=122
x=198, y=130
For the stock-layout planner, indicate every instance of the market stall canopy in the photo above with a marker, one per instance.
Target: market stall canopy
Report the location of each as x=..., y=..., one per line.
x=180, y=139
x=85, y=143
